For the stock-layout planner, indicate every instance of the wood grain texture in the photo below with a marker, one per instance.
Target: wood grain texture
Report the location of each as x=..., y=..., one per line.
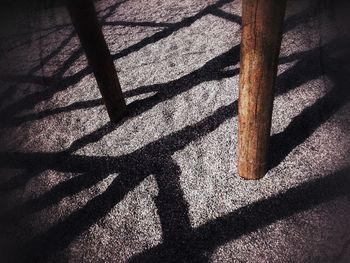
x=262, y=22
x=86, y=24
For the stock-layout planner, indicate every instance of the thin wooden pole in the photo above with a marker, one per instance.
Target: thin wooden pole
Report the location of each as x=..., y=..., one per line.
x=262, y=22
x=86, y=24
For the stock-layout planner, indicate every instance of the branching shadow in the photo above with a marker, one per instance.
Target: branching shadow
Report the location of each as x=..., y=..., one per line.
x=206, y=238
x=154, y=158
x=55, y=83
x=181, y=242
x=212, y=70
x=132, y=169
x=304, y=125
x=62, y=83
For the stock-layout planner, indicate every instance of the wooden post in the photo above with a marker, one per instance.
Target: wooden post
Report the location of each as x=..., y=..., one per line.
x=86, y=24
x=262, y=22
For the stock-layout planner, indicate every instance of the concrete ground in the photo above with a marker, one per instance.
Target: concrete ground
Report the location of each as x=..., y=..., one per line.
x=162, y=185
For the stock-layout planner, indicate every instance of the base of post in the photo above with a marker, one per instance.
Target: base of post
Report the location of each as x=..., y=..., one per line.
x=248, y=171
x=117, y=115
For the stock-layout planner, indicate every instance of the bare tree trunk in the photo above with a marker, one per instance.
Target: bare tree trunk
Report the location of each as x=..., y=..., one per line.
x=262, y=22
x=85, y=21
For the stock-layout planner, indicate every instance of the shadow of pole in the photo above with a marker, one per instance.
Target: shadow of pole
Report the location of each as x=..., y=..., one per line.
x=243, y=221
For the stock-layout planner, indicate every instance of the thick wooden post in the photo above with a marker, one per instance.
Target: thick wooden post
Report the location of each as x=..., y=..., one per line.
x=85, y=21
x=262, y=22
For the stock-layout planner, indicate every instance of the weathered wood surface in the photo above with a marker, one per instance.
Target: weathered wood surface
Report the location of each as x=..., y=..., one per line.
x=262, y=22
x=86, y=24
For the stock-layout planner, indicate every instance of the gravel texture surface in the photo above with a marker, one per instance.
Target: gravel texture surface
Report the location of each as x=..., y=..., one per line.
x=162, y=185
